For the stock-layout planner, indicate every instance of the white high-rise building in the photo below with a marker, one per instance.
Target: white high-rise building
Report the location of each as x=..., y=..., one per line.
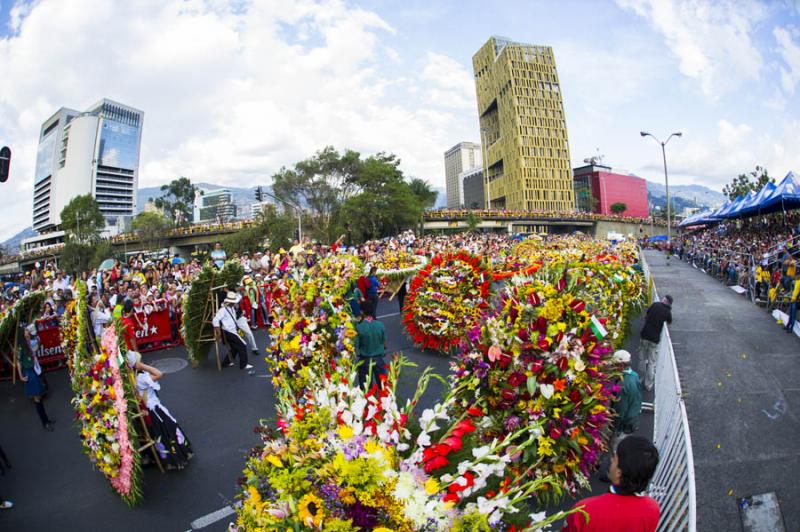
x=92, y=152
x=461, y=157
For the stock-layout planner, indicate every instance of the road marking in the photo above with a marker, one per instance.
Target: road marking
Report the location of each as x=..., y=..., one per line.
x=389, y=315
x=213, y=517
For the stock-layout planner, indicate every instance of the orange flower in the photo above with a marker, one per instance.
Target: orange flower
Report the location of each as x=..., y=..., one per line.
x=560, y=384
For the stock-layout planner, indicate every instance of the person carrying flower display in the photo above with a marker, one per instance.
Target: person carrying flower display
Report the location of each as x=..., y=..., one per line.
x=625, y=508
x=224, y=324
x=30, y=372
x=173, y=448
x=370, y=346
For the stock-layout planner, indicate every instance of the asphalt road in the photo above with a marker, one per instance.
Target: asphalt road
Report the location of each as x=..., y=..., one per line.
x=54, y=486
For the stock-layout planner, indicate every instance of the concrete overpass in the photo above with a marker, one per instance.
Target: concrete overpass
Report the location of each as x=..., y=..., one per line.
x=541, y=223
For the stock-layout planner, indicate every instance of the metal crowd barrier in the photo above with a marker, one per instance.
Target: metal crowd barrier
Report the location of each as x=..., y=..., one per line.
x=673, y=484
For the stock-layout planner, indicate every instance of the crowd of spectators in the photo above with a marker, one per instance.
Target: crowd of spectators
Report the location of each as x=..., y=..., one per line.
x=503, y=214
x=757, y=253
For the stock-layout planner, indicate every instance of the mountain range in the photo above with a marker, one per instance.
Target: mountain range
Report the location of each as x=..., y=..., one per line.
x=243, y=197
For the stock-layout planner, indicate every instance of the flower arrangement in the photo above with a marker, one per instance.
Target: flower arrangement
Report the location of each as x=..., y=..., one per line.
x=543, y=354
x=25, y=308
x=394, y=265
x=349, y=463
x=103, y=390
x=446, y=299
x=330, y=278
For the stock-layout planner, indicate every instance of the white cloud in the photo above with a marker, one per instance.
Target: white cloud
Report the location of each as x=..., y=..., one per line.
x=713, y=40
x=737, y=149
x=454, y=85
x=231, y=91
x=789, y=51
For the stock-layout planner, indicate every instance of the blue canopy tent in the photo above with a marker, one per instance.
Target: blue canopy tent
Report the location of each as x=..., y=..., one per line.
x=724, y=212
x=785, y=196
x=754, y=206
x=736, y=210
x=697, y=218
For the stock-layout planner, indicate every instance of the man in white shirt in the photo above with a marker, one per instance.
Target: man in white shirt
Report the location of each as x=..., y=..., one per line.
x=224, y=323
x=60, y=282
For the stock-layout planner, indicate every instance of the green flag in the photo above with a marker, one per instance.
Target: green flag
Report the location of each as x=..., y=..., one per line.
x=597, y=328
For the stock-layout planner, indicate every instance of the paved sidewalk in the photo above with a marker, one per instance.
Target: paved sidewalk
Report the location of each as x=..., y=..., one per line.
x=741, y=380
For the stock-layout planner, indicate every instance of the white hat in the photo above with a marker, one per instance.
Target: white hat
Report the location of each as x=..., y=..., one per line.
x=31, y=328
x=622, y=356
x=133, y=357
x=232, y=298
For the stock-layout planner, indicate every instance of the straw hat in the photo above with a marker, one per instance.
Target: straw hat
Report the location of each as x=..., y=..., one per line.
x=232, y=298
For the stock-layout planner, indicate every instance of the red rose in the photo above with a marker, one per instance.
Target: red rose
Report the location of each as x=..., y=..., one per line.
x=516, y=379
x=474, y=411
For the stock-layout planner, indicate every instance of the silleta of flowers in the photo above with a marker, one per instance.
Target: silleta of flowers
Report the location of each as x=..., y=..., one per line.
x=543, y=355
x=102, y=393
x=349, y=463
x=313, y=331
x=446, y=299
x=23, y=309
x=395, y=265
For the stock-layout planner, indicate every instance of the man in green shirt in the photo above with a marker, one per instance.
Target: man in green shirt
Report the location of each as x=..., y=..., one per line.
x=370, y=345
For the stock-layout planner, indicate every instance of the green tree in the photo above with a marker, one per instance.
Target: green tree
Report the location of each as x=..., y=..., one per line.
x=151, y=227
x=618, y=208
x=424, y=192
x=321, y=183
x=82, y=220
x=178, y=200
x=744, y=183
x=473, y=221
x=273, y=228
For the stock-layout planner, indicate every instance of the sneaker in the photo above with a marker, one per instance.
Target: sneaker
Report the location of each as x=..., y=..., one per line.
x=48, y=427
x=6, y=505
x=228, y=365
x=249, y=366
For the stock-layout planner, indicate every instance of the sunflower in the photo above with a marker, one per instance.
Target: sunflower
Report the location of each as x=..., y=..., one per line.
x=310, y=508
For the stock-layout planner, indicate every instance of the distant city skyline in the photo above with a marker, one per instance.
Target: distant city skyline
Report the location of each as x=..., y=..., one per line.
x=234, y=91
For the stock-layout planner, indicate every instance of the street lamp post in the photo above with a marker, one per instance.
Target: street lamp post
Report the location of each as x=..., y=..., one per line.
x=484, y=151
x=666, y=177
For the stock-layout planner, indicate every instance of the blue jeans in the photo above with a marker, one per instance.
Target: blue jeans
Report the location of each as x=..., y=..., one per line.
x=792, y=315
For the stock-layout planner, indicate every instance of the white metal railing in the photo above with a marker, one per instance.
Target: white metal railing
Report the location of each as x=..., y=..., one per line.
x=673, y=484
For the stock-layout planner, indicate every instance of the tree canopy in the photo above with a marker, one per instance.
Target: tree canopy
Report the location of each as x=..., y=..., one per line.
x=178, y=200
x=744, y=183
x=363, y=197
x=619, y=207
x=82, y=220
x=151, y=227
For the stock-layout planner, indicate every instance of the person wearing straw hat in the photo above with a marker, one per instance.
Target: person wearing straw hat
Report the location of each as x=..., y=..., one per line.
x=172, y=445
x=224, y=323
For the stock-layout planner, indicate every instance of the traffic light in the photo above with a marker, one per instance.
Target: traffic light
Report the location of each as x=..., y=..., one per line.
x=259, y=195
x=5, y=163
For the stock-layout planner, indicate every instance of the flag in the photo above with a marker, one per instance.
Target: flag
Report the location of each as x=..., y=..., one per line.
x=597, y=328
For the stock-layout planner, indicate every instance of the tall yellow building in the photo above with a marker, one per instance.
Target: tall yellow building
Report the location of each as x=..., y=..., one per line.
x=523, y=127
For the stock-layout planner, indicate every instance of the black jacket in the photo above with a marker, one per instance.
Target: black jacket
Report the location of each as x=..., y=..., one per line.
x=657, y=314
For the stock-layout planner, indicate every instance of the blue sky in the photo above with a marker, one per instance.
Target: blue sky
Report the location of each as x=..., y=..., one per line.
x=233, y=90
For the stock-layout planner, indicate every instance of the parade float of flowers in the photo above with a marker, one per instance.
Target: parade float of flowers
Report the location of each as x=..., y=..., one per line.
x=445, y=301
x=396, y=265
x=348, y=463
x=23, y=310
x=103, y=390
x=314, y=332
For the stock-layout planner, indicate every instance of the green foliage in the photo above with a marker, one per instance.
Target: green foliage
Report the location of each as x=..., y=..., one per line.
x=27, y=307
x=197, y=315
x=744, y=183
x=177, y=200
x=619, y=207
x=231, y=274
x=77, y=257
x=473, y=221
x=82, y=220
x=151, y=227
x=274, y=229
x=345, y=193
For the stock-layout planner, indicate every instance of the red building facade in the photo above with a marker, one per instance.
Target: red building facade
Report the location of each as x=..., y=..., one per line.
x=597, y=188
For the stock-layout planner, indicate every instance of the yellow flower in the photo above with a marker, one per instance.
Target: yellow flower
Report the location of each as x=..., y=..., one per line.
x=431, y=486
x=274, y=460
x=310, y=510
x=345, y=432
x=382, y=529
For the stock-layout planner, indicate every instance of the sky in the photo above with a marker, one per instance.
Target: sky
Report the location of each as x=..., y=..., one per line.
x=232, y=90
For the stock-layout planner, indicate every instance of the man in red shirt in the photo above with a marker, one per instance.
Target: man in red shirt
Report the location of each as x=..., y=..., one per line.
x=626, y=508
x=128, y=330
